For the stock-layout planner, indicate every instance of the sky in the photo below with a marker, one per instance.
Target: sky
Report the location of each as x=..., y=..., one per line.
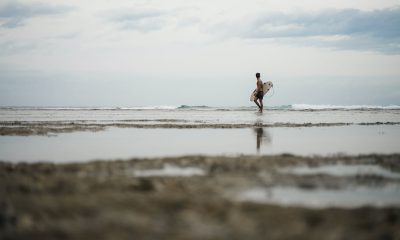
x=186, y=52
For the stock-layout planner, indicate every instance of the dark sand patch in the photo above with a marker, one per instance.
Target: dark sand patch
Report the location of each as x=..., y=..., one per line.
x=27, y=128
x=105, y=200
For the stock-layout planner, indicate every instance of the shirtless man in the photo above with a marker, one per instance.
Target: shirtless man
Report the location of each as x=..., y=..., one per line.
x=259, y=93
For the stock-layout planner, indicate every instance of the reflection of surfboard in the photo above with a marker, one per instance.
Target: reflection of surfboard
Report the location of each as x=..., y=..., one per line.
x=266, y=87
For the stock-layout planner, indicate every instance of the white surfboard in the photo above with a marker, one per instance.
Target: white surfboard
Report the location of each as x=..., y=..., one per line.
x=266, y=87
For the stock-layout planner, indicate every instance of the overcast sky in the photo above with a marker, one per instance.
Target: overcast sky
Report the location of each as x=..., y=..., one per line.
x=173, y=52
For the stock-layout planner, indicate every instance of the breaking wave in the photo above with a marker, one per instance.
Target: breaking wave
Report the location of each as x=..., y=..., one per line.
x=292, y=107
x=343, y=107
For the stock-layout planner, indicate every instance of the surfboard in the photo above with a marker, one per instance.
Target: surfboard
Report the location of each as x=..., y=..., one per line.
x=266, y=87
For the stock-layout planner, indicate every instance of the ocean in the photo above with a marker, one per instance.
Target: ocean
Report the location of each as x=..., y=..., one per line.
x=206, y=115
x=76, y=134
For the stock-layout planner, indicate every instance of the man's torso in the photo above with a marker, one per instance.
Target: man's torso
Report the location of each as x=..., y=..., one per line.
x=259, y=85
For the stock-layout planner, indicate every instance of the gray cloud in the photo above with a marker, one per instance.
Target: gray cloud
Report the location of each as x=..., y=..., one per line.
x=377, y=30
x=139, y=20
x=14, y=14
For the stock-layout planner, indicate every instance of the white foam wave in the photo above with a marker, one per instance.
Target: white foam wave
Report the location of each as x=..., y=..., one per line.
x=345, y=107
x=94, y=108
x=295, y=107
x=150, y=108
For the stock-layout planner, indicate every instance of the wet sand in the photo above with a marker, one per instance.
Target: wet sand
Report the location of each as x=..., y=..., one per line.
x=29, y=128
x=194, y=197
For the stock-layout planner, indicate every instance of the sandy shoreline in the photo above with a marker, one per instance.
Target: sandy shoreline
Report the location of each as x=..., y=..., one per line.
x=29, y=128
x=190, y=197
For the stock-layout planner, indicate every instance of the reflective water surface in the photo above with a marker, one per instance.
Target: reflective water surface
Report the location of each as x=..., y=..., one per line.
x=343, y=170
x=321, y=198
x=117, y=143
x=206, y=116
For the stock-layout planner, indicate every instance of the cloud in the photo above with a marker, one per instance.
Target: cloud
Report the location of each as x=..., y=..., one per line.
x=12, y=47
x=142, y=20
x=377, y=30
x=14, y=14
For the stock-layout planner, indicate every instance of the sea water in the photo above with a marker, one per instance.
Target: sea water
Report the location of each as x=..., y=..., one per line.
x=292, y=114
x=220, y=131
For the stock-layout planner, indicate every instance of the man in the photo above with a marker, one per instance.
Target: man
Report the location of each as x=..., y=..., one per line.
x=259, y=94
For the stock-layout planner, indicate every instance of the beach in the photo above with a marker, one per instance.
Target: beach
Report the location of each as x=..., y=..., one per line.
x=199, y=198
x=204, y=120
x=200, y=173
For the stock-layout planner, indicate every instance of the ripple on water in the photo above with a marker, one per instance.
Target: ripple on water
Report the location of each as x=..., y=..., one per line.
x=170, y=171
x=343, y=170
x=323, y=198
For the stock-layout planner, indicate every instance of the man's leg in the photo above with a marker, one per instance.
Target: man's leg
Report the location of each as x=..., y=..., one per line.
x=261, y=105
x=257, y=103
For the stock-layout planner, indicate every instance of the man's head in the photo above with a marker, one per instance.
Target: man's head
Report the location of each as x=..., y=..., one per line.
x=257, y=75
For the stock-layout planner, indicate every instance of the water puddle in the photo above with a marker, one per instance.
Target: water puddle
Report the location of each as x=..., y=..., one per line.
x=125, y=143
x=170, y=171
x=323, y=198
x=341, y=170
x=348, y=197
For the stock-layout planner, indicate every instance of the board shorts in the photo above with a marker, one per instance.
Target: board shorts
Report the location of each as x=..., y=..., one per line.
x=260, y=95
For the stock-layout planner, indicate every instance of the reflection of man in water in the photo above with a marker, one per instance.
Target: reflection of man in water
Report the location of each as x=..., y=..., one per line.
x=261, y=135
